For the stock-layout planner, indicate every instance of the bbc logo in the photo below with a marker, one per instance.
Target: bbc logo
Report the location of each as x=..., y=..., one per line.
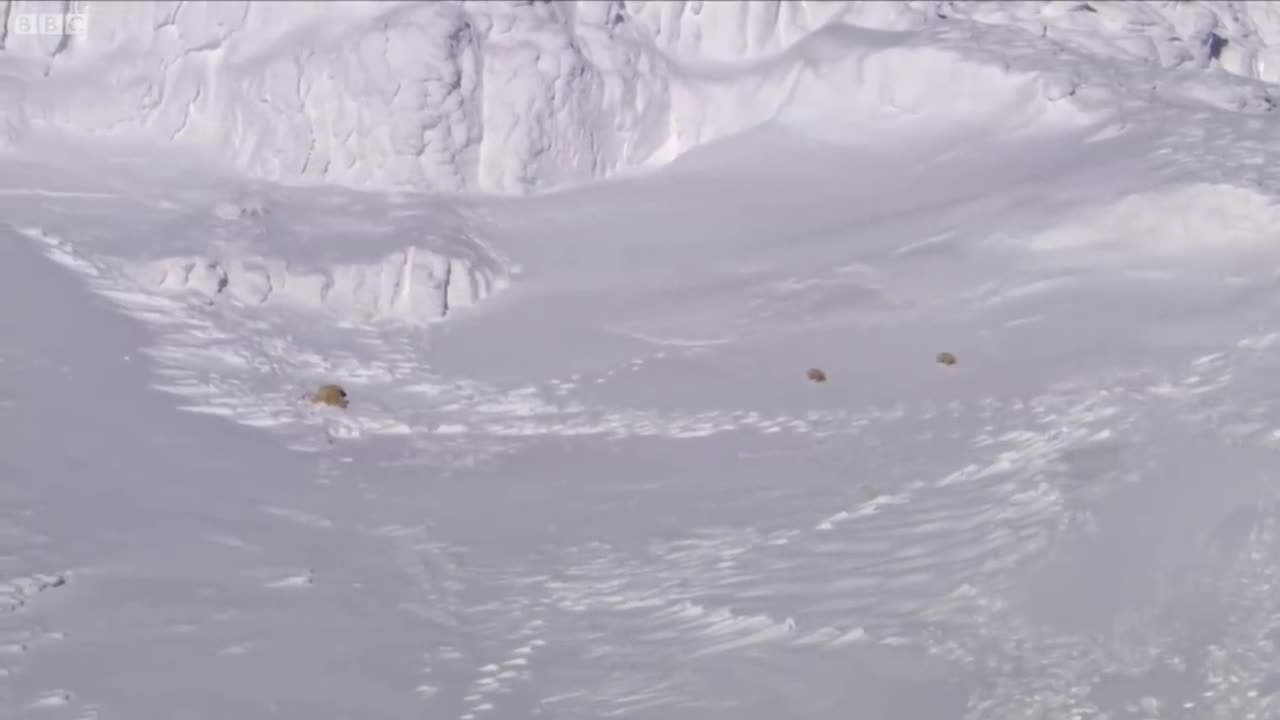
x=59, y=24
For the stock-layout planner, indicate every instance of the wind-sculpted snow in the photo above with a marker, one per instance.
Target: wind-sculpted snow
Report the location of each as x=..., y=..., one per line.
x=605, y=485
x=516, y=97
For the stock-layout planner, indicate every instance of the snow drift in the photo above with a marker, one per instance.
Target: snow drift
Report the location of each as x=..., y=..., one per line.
x=1168, y=224
x=181, y=230
x=515, y=96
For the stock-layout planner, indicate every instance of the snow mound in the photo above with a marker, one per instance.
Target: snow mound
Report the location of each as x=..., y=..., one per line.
x=175, y=229
x=1183, y=221
x=515, y=97
x=414, y=285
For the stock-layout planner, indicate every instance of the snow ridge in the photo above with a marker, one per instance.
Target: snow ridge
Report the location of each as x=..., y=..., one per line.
x=516, y=97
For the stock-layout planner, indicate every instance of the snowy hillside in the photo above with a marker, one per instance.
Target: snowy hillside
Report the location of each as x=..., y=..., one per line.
x=519, y=96
x=576, y=265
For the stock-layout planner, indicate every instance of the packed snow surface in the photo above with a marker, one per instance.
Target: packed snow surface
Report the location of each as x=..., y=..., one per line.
x=572, y=263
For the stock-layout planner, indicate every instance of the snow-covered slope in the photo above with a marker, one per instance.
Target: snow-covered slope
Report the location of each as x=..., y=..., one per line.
x=583, y=473
x=519, y=96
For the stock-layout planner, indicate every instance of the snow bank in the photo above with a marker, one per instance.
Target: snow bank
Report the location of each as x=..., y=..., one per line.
x=515, y=96
x=152, y=221
x=893, y=93
x=410, y=261
x=414, y=285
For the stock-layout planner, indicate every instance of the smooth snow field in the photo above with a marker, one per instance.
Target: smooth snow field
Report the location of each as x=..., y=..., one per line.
x=572, y=263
